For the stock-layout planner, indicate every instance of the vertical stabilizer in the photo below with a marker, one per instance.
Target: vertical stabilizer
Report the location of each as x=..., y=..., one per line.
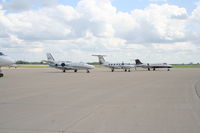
x=50, y=57
x=138, y=62
x=101, y=58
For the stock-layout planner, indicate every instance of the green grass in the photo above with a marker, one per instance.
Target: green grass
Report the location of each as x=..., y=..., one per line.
x=99, y=66
x=31, y=66
x=186, y=66
x=41, y=66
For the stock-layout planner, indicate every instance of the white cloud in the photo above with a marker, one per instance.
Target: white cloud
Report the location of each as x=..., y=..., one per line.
x=95, y=26
x=20, y=5
x=183, y=46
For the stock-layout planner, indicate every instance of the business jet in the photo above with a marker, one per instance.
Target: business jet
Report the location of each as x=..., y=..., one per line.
x=5, y=61
x=125, y=66
x=68, y=65
x=138, y=63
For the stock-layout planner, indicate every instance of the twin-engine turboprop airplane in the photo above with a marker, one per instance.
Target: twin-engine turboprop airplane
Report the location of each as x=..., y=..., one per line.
x=5, y=61
x=125, y=66
x=68, y=65
x=138, y=63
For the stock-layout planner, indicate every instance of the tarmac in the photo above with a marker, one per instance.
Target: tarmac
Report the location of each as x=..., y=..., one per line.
x=45, y=100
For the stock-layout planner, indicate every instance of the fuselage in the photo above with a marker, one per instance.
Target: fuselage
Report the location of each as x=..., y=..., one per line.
x=119, y=65
x=5, y=60
x=159, y=65
x=71, y=65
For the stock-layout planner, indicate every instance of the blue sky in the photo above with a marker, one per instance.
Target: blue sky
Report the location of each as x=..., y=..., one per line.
x=128, y=5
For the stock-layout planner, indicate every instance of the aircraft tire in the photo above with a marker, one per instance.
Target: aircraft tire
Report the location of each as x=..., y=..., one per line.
x=129, y=70
x=64, y=70
x=88, y=71
x=1, y=74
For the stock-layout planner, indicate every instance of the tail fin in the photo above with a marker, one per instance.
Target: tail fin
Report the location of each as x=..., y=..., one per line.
x=50, y=57
x=138, y=62
x=101, y=59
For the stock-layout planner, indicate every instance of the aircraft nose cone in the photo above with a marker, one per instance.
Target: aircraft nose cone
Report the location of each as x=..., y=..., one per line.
x=92, y=67
x=8, y=61
x=11, y=61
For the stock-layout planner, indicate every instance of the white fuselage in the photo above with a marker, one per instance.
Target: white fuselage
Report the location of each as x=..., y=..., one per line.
x=158, y=65
x=6, y=61
x=119, y=65
x=71, y=65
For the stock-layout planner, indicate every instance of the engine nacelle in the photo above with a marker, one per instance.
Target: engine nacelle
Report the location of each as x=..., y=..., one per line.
x=62, y=64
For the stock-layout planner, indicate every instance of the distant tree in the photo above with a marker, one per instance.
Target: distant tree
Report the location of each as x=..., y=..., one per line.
x=26, y=62
x=22, y=62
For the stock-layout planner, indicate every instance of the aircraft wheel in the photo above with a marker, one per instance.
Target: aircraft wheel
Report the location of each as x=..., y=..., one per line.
x=1, y=74
x=88, y=71
x=154, y=69
x=112, y=70
x=129, y=70
x=64, y=70
x=148, y=69
x=75, y=70
x=168, y=69
x=125, y=70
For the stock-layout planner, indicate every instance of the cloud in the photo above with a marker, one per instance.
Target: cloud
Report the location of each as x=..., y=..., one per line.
x=21, y=5
x=95, y=26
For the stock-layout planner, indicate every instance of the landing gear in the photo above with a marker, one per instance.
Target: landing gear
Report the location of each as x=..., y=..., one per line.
x=154, y=69
x=125, y=70
x=168, y=69
x=129, y=70
x=148, y=69
x=75, y=70
x=112, y=70
x=1, y=74
x=64, y=70
x=88, y=71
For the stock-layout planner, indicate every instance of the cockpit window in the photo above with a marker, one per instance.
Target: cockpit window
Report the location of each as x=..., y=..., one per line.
x=1, y=54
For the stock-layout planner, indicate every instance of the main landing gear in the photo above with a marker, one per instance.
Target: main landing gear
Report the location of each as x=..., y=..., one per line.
x=64, y=70
x=1, y=74
x=75, y=70
x=88, y=71
x=112, y=69
x=127, y=70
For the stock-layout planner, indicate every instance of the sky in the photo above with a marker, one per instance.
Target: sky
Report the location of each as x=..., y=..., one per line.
x=152, y=30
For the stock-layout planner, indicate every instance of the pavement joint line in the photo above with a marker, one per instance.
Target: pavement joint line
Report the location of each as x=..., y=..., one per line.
x=197, y=89
x=82, y=118
x=32, y=130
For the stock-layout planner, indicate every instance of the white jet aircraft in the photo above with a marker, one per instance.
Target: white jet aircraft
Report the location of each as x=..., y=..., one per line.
x=5, y=61
x=153, y=66
x=68, y=65
x=125, y=66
